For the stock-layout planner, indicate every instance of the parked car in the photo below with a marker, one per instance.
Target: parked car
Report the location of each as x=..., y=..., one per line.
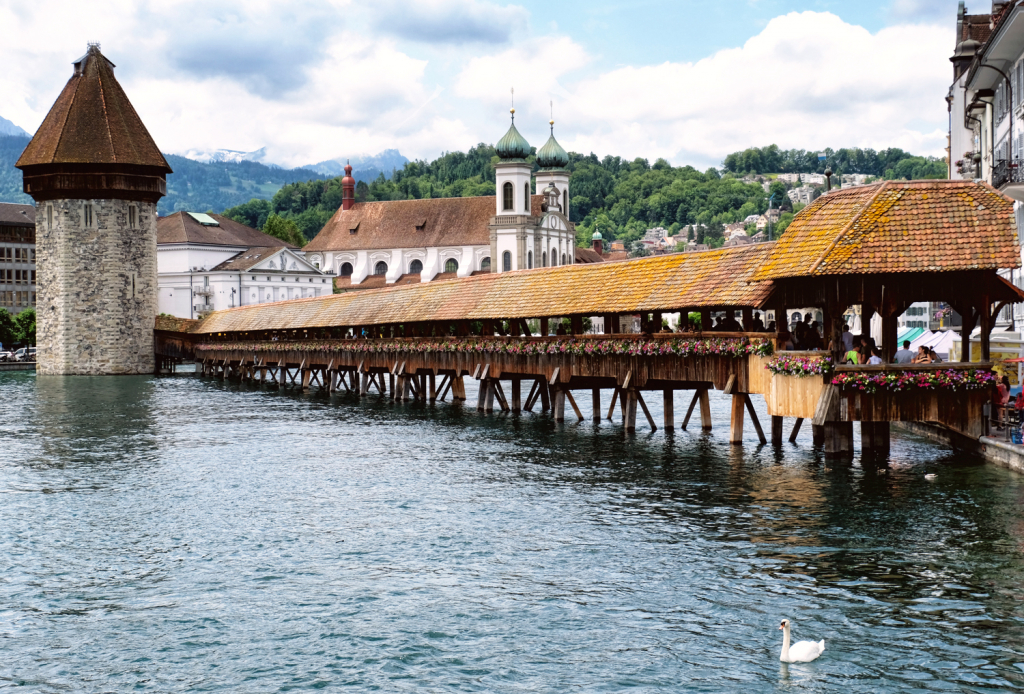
x=25, y=354
x=6, y=356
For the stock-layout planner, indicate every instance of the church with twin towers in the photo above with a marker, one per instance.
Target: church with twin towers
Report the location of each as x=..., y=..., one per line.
x=96, y=176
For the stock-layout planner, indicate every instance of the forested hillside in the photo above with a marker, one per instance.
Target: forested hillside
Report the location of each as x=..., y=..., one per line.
x=620, y=198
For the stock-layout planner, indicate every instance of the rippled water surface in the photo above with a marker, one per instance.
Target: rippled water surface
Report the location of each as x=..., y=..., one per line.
x=179, y=534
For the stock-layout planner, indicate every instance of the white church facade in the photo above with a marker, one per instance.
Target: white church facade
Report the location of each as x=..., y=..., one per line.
x=373, y=244
x=209, y=263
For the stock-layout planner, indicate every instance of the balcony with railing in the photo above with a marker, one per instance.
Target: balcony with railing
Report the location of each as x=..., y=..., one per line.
x=1008, y=177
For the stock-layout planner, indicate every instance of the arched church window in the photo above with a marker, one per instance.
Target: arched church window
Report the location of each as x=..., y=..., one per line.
x=544, y=259
x=507, y=197
x=529, y=260
x=380, y=268
x=346, y=269
x=554, y=257
x=526, y=198
x=565, y=203
x=451, y=265
x=506, y=262
x=485, y=264
x=415, y=267
x=563, y=259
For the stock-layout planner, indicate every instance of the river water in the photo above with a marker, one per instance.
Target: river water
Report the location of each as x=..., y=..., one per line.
x=178, y=534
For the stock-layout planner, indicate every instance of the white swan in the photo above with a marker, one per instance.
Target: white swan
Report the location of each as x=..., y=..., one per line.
x=801, y=651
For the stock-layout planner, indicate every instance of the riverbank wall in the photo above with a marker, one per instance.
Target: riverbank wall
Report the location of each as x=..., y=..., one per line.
x=992, y=450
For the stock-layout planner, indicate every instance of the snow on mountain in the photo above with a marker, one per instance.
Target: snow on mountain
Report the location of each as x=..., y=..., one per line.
x=365, y=167
x=209, y=156
x=7, y=128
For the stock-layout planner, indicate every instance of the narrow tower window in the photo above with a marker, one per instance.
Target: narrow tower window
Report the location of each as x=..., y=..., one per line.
x=133, y=217
x=565, y=203
x=87, y=215
x=507, y=197
x=49, y=216
x=544, y=259
x=506, y=262
x=526, y=198
x=529, y=260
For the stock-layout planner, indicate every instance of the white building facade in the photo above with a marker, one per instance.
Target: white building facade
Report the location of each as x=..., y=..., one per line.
x=525, y=226
x=208, y=263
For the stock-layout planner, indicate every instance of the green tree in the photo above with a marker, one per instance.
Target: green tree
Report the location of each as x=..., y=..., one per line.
x=25, y=326
x=284, y=229
x=8, y=329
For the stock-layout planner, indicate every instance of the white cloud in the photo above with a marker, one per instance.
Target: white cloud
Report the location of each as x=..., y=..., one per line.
x=808, y=80
x=449, y=21
x=338, y=81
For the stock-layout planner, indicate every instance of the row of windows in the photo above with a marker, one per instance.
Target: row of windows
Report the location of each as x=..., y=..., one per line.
x=89, y=216
x=18, y=276
x=916, y=311
x=18, y=255
x=17, y=298
x=451, y=265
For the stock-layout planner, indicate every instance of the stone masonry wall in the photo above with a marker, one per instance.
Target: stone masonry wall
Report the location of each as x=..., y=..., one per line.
x=97, y=288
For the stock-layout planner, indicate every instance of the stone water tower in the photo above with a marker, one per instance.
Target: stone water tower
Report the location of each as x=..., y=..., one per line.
x=96, y=176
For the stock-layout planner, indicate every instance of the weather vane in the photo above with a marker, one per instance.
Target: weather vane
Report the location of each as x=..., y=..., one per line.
x=513, y=109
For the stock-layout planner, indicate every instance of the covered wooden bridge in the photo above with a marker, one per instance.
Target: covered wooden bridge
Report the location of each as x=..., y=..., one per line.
x=881, y=246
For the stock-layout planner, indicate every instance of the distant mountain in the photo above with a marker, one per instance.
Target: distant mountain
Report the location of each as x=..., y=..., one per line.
x=194, y=186
x=214, y=156
x=8, y=129
x=364, y=167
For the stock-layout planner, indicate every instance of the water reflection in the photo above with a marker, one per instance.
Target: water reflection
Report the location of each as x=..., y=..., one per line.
x=211, y=535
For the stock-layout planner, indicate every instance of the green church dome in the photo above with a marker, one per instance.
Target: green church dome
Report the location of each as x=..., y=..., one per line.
x=513, y=145
x=551, y=155
x=597, y=236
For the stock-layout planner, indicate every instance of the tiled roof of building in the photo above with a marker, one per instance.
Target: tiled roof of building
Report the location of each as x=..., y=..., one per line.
x=92, y=122
x=898, y=226
x=669, y=282
x=249, y=258
x=977, y=27
x=12, y=214
x=393, y=224
x=181, y=227
x=588, y=255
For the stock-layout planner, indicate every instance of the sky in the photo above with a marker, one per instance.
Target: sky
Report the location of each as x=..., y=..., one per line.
x=686, y=80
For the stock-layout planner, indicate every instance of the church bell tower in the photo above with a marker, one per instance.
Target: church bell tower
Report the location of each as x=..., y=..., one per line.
x=96, y=176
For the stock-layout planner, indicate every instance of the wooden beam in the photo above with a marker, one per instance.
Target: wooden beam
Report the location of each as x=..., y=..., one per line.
x=517, y=395
x=689, y=410
x=595, y=400
x=647, y=413
x=730, y=385
x=499, y=391
x=572, y=401
x=611, y=408
x=796, y=429
x=754, y=419
x=532, y=397
x=668, y=400
x=559, y=399
x=777, y=423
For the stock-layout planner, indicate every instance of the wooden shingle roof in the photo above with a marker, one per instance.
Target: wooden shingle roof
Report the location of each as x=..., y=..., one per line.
x=92, y=122
x=393, y=224
x=897, y=227
x=669, y=282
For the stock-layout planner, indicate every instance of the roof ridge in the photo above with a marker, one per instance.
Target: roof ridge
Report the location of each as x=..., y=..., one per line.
x=849, y=225
x=64, y=122
x=106, y=113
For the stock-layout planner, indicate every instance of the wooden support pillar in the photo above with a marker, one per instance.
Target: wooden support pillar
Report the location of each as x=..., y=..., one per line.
x=985, y=309
x=647, y=413
x=545, y=396
x=595, y=401
x=488, y=386
x=607, y=324
x=689, y=410
x=889, y=335
x=736, y=421
x=748, y=320
x=281, y=373
x=656, y=320
x=458, y=388
x=818, y=435
x=572, y=401
x=629, y=416
x=705, y=319
x=611, y=407
x=668, y=401
x=838, y=439
x=796, y=429
x=544, y=327
x=517, y=395
x=433, y=386
x=777, y=423
x=559, y=402
x=576, y=325
x=391, y=383
x=306, y=373
x=705, y=410
x=364, y=384
x=970, y=318
x=874, y=437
